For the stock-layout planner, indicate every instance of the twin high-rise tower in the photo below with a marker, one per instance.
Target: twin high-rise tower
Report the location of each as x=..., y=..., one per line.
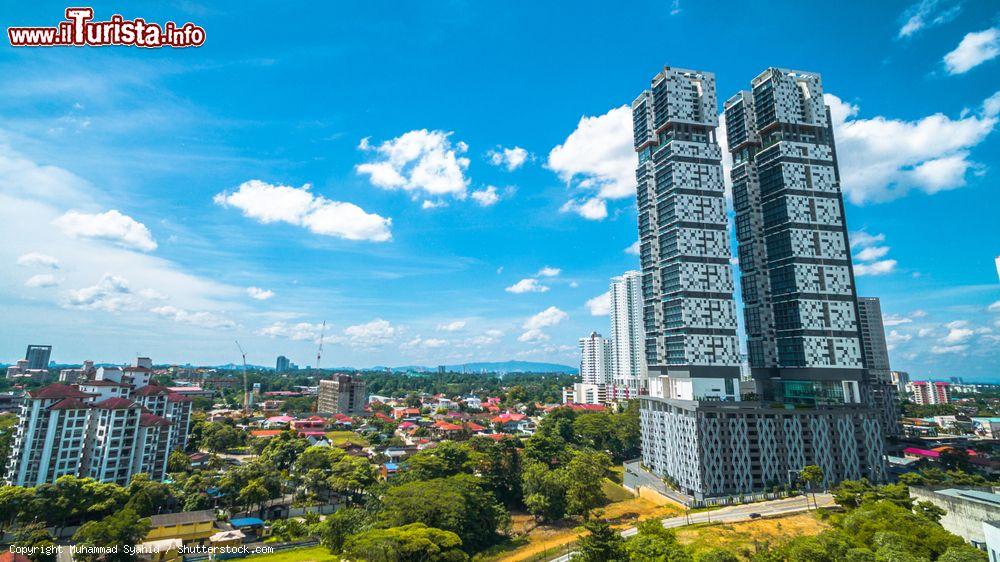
x=813, y=401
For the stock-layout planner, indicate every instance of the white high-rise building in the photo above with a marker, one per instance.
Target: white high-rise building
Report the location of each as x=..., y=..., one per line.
x=595, y=359
x=628, y=338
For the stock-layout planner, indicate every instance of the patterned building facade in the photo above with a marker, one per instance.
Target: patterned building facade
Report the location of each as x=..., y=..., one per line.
x=804, y=346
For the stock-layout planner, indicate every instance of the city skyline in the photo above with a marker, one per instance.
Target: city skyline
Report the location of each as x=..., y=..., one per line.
x=444, y=226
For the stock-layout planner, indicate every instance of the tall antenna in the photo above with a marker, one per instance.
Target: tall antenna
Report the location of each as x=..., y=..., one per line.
x=246, y=389
x=319, y=352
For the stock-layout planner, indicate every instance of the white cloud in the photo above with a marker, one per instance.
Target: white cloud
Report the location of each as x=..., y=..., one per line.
x=548, y=272
x=995, y=307
x=534, y=326
x=974, y=49
x=600, y=305
x=895, y=320
x=374, y=333
x=529, y=285
x=486, y=197
x=41, y=280
x=453, y=326
x=594, y=209
x=431, y=343
x=110, y=226
x=428, y=204
x=862, y=239
x=259, y=294
x=201, y=319
x=112, y=294
x=302, y=331
x=883, y=159
x=926, y=14
x=894, y=338
x=883, y=267
x=872, y=253
x=268, y=203
x=942, y=349
x=598, y=156
x=418, y=161
x=634, y=249
x=37, y=259
x=868, y=261
x=510, y=158
x=958, y=332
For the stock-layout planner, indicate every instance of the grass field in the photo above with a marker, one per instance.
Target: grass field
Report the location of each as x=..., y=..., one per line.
x=748, y=535
x=533, y=542
x=309, y=554
x=344, y=437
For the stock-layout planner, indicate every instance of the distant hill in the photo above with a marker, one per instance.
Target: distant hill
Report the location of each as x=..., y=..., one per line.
x=488, y=367
x=513, y=367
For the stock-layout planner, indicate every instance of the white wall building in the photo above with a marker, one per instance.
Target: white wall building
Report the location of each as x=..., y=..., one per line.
x=102, y=428
x=628, y=338
x=595, y=359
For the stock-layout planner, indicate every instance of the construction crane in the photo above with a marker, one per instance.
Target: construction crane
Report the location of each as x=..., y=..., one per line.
x=319, y=352
x=246, y=389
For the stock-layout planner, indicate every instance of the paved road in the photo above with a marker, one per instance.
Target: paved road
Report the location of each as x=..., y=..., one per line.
x=734, y=513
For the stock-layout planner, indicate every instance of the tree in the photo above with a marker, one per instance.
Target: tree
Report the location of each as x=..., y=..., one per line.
x=654, y=543
x=146, y=496
x=963, y=553
x=583, y=476
x=458, y=504
x=14, y=505
x=415, y=542
x=178, y=462
x=812, y=476
x=254, y=494
x=219, y=437
x=122, y=528
x=602, y=544
x=351, y=477
x=36, y=537
x=929, y=510
x=544, y=491
x=446, y=459
x=339, y=525
x=498, y=464
x=716, y=555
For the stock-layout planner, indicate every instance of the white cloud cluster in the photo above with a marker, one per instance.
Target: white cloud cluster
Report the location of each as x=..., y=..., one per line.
x=421, y=162
x=634, y=248
x=257, y=293
x=600, y=305
x=882, y=159
x=534, y=326
x=548, y=271
x=510, y=158
x=269, y=203
x=38, y=259
x=868, y=257
x=599, y=158
x=41, y=280
x=201, y=319
x=301, y=331
x=110, y=226
x=527, y=285
x=486, y=197
x=374, y=333
x=974, y=49
x=429, y=343
x=453, y=326
x=926, y=14
x=112, y=294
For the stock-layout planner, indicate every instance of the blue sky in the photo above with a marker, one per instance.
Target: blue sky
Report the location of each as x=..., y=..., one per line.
x=458, y=154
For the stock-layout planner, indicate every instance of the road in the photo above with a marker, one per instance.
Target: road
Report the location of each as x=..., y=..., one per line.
x=733, y=514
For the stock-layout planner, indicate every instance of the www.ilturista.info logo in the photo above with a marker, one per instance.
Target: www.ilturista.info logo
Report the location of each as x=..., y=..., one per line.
x=79, y=30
